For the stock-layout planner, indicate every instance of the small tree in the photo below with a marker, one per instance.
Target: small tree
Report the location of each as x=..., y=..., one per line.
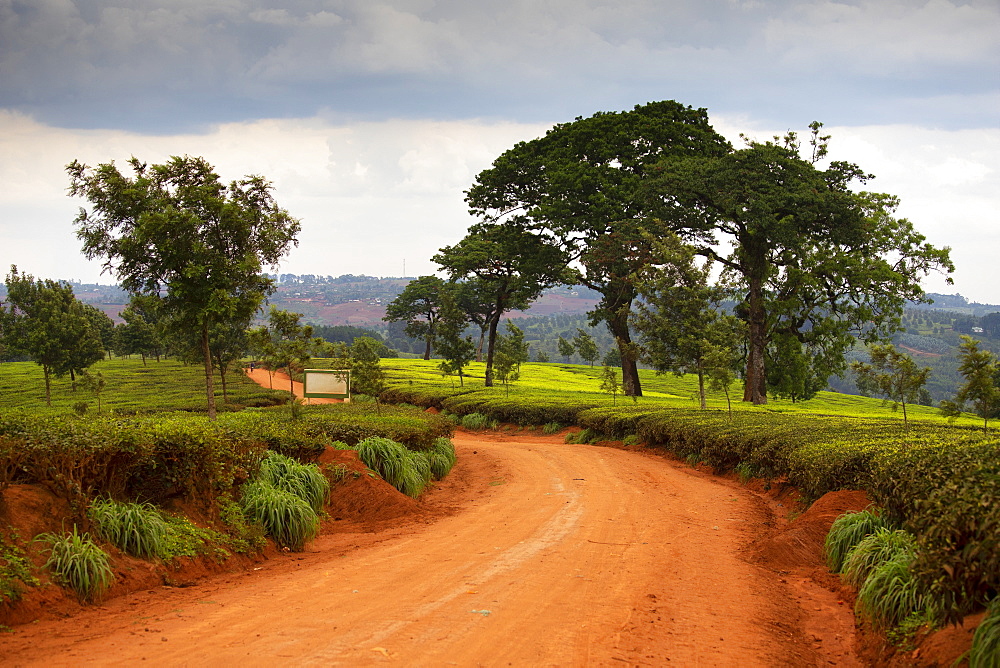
x=457, y=350
x=566, y=349
x=367, y=376
x=980, y=370
x=511, y=352
x=720, y=362
x=894, y=375
x=585, y=345
x=93, y=383
x=43, y=320
x=610, y=383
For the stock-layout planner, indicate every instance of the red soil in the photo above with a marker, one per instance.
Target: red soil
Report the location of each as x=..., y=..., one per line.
x=531, y=552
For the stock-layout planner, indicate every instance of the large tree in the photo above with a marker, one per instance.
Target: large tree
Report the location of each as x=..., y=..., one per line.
x=176, y=233
x=817, y=262
x=581, y=184
x=511, y=265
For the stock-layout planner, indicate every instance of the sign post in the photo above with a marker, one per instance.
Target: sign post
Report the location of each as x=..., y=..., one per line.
x=327, y=384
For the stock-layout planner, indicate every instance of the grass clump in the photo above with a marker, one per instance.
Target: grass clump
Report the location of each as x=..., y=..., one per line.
x=134, y=528
x=442, y=457
x=286, y=517
x=477, y=422
x=551, y=427
x=880, y=547
x=891, y=596
x=305, y=481
x=408, y=471
x=846, y=532
x=78, y=563
x=985, y=652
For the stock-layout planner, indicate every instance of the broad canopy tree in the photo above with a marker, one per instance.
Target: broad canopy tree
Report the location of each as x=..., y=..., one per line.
x=817, y=262
x=419, y=306
x=177, y=234
x=580, y=183
x=511, y=266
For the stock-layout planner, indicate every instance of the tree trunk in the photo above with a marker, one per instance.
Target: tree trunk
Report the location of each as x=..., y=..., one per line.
x=72, y=379
x=755, y=388
x=491, y=342
x=479, y=348
x=48, y=385
x=618, y=324
x=427, y=348
x=222, y=375
x=701, y=387
x=209, y=376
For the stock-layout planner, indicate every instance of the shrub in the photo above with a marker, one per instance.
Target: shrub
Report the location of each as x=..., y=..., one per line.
x=15, y=567
x=134, y=528
x=305, y=481
x=985, y=652
x=286, y=518
x=631, y=439
x=78, y=563
x=846, y=532
x=551, y=427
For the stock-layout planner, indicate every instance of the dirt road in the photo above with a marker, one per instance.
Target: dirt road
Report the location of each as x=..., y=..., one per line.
x=531, y=553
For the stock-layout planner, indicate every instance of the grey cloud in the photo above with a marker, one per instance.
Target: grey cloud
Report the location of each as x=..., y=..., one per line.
x=157, y=66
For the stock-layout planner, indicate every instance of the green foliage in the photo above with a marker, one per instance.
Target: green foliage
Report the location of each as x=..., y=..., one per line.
x=985, y=651
x=134, y=528
x=407, y=471
x=286, y=517
x=244, y=537
x=186, y=539
x=846, y=532
x=892, y=374
x=610, y=383
x=43, y=320
x=980, y=370
x=476, y=421
x=874, y=550
x=78, y=563
x=442, y=457
x=890, y=594
x=584, y=344
x=366, y=371
x=15, y=567
x=419, y=306
x=551, y=428
x=306, y=481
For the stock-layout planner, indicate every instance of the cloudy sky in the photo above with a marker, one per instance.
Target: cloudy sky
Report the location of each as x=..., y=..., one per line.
x=372, y=117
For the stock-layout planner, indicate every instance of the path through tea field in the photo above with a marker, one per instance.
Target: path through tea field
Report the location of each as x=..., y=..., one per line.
x=531, y=553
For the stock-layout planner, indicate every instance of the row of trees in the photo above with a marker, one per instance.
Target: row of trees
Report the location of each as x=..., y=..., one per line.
x=608, y=201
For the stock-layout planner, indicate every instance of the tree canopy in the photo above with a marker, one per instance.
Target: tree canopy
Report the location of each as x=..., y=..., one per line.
x=511, y=266
x=815, y=261
x=580, y=183
x=176, y=233
x=418, y=305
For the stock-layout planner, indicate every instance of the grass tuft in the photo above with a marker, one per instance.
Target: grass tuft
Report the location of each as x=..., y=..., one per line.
x=134, y=528
x=78, y=562
x=846, y=532
x=551, y=427
x=286, y=517
x=881, y=546
x=985, y=652
x=890, y=595
x=305, y=481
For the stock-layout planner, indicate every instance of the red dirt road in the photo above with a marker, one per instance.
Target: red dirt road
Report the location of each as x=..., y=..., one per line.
x=531, y=553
